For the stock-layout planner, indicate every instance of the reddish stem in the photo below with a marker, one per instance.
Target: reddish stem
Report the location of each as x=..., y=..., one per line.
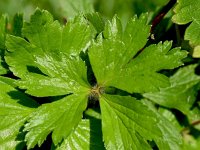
x=161, y=14
x=158, y=19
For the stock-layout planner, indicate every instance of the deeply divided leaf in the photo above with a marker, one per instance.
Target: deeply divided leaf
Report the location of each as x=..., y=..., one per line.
x=48, y=61
x=114, y=48
x=51, y=60
x=115, y=61
x=61, y=117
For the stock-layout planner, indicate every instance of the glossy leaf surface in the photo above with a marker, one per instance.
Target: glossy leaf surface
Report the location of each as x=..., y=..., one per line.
x=129, y=117
x=61, y=117
x=115, y=63
x=15, y=109
x=85, y=137
x=49, y=61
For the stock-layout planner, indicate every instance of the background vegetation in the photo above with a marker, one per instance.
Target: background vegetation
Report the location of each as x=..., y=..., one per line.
x=180, y=104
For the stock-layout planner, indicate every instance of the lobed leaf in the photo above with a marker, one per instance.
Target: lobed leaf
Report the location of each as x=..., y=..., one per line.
x=141, y=74
x=60, y=117
x=114, y=49
x=49, y=61
x=112, y=61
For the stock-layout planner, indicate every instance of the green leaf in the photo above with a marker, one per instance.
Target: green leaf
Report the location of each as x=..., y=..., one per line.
x=196, y=52
x=194, y=114
x=2, y=32
x=11, y=7
x=85, y=137
x=112, y=63
x=104, y=54
x=182, y=92
x=129, y=118
x=169, y=127
x=42, y=31
x=168, y=114
x=97, y=21
x=2, y=69
x=8, y=81
x=93, y=113
x=15, y=108
x=60, y=117
x=71, y=8
x=18, y=58
x=17, y=24
x=3, y=24
x=50, y=61
x=141, y=74
x=59, y=8
x=48, y=64
x=187, y=11
x=72, y=80
x=171, y=138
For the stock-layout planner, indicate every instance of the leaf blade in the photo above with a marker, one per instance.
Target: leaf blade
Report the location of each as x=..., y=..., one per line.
x=133, y=116
x=55, y=117
x=44, y=60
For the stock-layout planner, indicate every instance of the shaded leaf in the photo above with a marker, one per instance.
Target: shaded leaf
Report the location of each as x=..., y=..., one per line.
x=182, y=92
x=3, y=20
x=97, y=21
x=85, y=137
x=17, y=25
x=187, y=11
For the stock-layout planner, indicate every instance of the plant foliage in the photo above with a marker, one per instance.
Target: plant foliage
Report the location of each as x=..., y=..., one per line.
x=94, y=83
x=187, y=11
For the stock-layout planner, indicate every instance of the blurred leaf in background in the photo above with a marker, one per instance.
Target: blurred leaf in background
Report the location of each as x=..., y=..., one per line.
x=3, y=23
x=11, y=7
x=59, y=8
x=68, y=8
x=127, y=8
